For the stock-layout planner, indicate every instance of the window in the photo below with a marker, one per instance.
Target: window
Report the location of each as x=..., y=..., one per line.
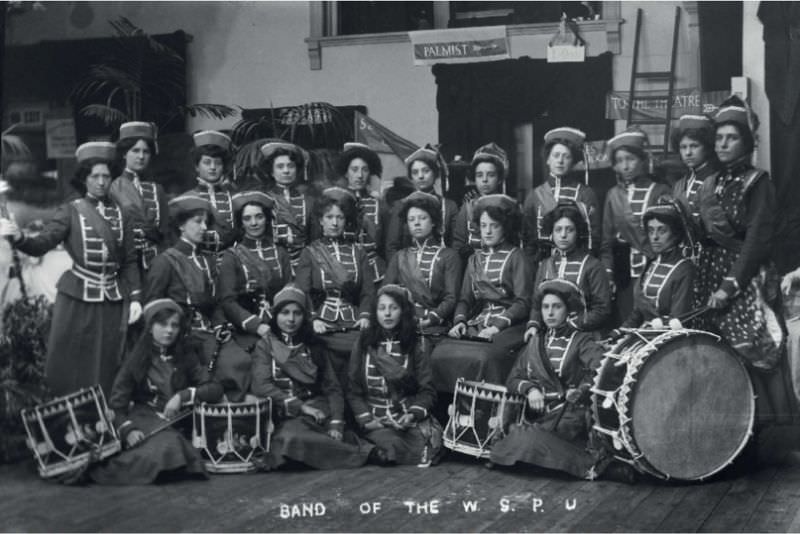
x=381, y=17
x=466, y=14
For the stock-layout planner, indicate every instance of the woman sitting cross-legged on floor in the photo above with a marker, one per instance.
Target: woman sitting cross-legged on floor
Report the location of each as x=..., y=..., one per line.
x=160, y=377
x=390, y=390
x=554, y=372
x=293, y=368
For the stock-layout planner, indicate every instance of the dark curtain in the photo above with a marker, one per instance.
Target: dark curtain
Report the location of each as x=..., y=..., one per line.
x=782, y=83
x=483, y=102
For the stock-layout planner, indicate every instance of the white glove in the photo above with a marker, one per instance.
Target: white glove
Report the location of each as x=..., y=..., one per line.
x=135, y=311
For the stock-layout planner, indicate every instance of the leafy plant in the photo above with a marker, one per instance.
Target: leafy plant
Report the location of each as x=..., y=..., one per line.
x=138, y=71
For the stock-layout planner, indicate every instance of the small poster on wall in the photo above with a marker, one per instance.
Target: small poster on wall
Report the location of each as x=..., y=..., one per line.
x=60, y=135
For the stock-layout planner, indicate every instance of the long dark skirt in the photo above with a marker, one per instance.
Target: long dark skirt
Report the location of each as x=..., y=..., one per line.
x=303, y=440
x=413, y=446
x=165, y=452
x=475, y=360
x=233, y=366
x=85, y=345
x=340, y=344
x=564, y=448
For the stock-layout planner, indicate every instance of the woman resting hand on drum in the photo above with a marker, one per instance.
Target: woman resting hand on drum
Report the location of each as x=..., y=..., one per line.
x=160, y=377
x=489, y=172
x=292, y=367
x=429, y=270
x=554, y=373
x=390, y=389
x=664, y=293
x=568, y=228
x=494, y=301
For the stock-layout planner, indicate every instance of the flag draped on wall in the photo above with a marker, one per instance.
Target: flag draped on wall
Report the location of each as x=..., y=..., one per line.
x=380, y=138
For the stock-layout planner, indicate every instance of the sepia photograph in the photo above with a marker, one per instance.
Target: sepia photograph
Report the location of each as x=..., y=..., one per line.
x=384, y=266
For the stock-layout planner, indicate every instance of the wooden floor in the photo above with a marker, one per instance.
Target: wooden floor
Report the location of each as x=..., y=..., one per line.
x=764, y=496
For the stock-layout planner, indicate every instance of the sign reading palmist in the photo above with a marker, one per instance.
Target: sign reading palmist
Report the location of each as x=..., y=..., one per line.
x=462, y=45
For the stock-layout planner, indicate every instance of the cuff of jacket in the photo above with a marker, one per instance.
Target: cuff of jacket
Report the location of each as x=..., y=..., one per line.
x=136, y=296
x=125, y=429
x=418, y=412
x=499, y=321
x=363, y=418
x=336, y=424
x=525, y=386
x=534, y=324
x=187, y=396
x=251, y=324
x=292, y=405
x=460, y=318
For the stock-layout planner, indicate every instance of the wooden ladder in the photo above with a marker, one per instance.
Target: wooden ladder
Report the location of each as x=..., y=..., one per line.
x=667, y=77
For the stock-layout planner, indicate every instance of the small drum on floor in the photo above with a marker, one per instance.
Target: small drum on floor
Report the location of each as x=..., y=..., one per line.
x=70, y=431
x=675, y=404
x=231, y=435
x=479, y=415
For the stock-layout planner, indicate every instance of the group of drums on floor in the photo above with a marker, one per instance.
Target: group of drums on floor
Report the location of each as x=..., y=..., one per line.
x=295, y=329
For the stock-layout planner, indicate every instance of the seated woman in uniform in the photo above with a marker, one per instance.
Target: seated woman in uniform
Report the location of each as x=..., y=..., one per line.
x=664, y=293
x=489, y=172
x=570, y=260
x=283, y=164
x=292, y=367
x=429, y=270
x=424, y=167
x=624, y=250
x=390, y=389
x=493, y=303
x=162, y=376
x=187, y=276
x=563, y=150
x=555, y=373
x=359, y=164
x=252, y=270
x=334, y=273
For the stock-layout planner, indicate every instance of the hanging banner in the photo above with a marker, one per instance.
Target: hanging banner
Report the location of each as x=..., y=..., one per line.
x=60, y=138
x=380, y=138
x=596, y=156
x=461, y=45
x=684, y=102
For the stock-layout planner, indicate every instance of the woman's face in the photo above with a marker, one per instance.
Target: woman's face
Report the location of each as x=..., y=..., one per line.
x=422, y=176
x=628, y=165
x=194, y=228
x=254, y=221
x=357, y=174
x=729, y=144
x=388, y=312
x=420, y=224
x=559, y=161
x=491, y=231
x=210, y=169
x=660, y=236
x=333, y=221
x=554, y=311
x=284, y=170
x=290, y=318
x=166, y=333
x=693, y=153
x=486, y=178
x=137, y=158
x=564, y=234
x=98, y=181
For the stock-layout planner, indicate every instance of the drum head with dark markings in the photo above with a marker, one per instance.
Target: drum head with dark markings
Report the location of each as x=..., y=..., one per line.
x=693, y=407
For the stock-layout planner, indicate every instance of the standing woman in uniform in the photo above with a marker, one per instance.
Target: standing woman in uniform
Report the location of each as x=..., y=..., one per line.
x=694, y=140
x=252, y=271
x=736, y=272
x=563, y=149
x=283, y=163
x=430, y=271
x=358, y=164
x=424, y=167
x=489, y=172
x=187, y=275
x=493, y=304
x=335, y=273
x=624, y=249
x=568, y=227
x=212, y=157
x=100, y=295
x=143, y=202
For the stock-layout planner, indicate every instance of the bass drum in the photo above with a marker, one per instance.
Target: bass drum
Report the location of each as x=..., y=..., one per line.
x=676, y=404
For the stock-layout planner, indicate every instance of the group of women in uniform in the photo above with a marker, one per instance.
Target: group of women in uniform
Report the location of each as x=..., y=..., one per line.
x=350, y=313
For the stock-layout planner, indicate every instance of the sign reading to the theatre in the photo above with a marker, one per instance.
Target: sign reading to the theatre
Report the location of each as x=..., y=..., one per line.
x=462, y=45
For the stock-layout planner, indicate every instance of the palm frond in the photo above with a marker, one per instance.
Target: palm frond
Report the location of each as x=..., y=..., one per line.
x=14, y=147
x=109, y=115
x=211, y=111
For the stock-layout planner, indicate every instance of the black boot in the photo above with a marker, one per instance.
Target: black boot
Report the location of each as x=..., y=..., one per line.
x=621, y=472
x=379, y=456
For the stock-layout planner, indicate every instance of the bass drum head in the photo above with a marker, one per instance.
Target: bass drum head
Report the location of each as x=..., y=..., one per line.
x=693, y=407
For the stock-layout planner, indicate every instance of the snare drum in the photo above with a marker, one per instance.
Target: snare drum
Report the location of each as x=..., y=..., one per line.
x=231, y=434
x=674, y=404
x=480, y=414
x=69, y=431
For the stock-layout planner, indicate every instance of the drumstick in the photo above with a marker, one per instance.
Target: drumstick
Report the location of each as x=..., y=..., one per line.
x=463, y=338
x=163, y=426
